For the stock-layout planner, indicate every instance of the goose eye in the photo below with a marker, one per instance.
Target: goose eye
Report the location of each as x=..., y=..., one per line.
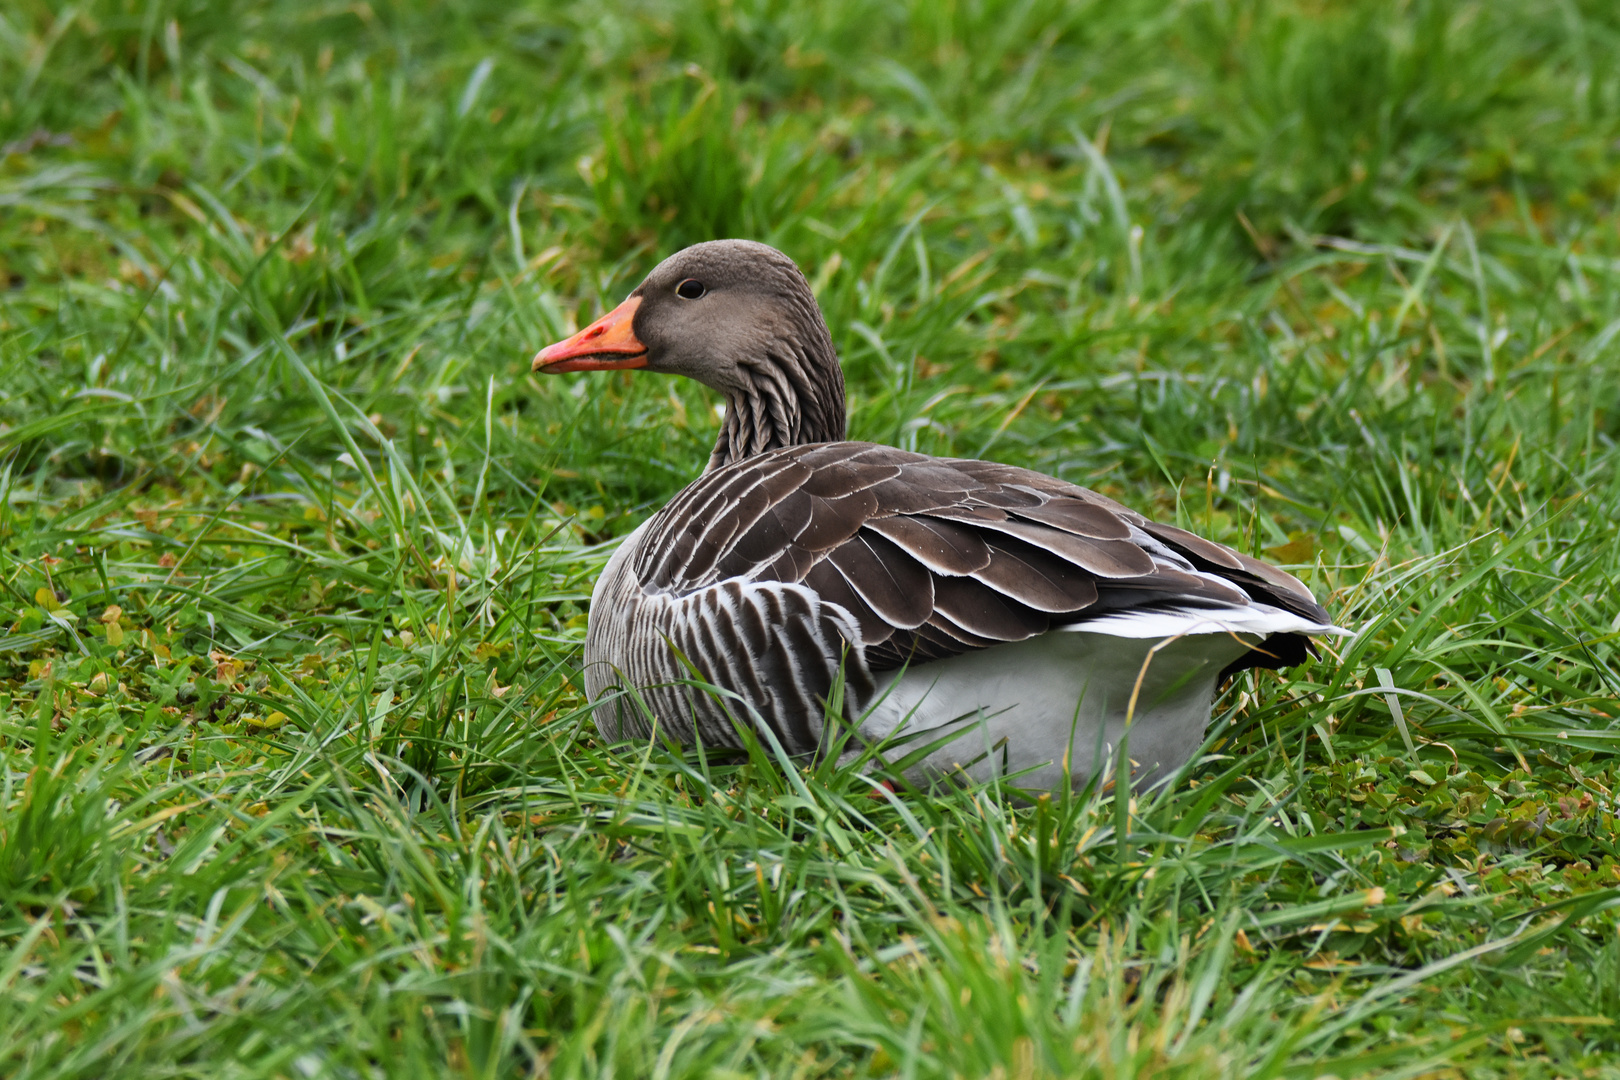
x=690, y=289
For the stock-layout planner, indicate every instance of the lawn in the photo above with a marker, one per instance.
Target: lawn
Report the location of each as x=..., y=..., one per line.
x=296, y=778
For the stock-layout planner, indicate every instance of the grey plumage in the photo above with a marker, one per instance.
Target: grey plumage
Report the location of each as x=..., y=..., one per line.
x=874, y=558
x=799, y=559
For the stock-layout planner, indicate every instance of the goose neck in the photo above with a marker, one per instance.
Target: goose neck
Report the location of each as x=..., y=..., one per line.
x=788, y=399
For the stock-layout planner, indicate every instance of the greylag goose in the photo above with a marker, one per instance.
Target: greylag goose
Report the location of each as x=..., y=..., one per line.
x=1014, y=622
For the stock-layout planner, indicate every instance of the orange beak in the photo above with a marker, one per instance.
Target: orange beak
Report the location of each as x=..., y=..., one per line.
x=608, y=344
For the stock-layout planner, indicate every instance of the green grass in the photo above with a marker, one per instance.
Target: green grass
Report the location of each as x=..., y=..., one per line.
x=294, y=552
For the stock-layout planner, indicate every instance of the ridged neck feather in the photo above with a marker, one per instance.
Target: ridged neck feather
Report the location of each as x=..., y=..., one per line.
x=792, y=395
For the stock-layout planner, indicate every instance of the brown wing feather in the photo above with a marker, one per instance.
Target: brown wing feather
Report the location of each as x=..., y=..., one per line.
x=893, y=584
x=1037, y=578
x=942, y=546
x=1260, y=580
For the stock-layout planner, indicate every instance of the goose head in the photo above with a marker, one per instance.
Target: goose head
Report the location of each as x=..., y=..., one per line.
x=739, y=317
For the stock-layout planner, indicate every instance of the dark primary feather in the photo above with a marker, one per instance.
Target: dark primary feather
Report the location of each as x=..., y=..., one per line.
x=933, y=557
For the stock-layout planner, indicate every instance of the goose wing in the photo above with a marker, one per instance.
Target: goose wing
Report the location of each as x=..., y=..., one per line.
x=934, y=557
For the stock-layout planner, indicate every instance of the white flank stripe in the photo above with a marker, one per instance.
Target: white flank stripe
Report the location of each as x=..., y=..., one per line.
x=1174, y=622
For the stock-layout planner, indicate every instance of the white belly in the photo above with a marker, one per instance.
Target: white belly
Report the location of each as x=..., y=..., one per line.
x=1057, y=703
